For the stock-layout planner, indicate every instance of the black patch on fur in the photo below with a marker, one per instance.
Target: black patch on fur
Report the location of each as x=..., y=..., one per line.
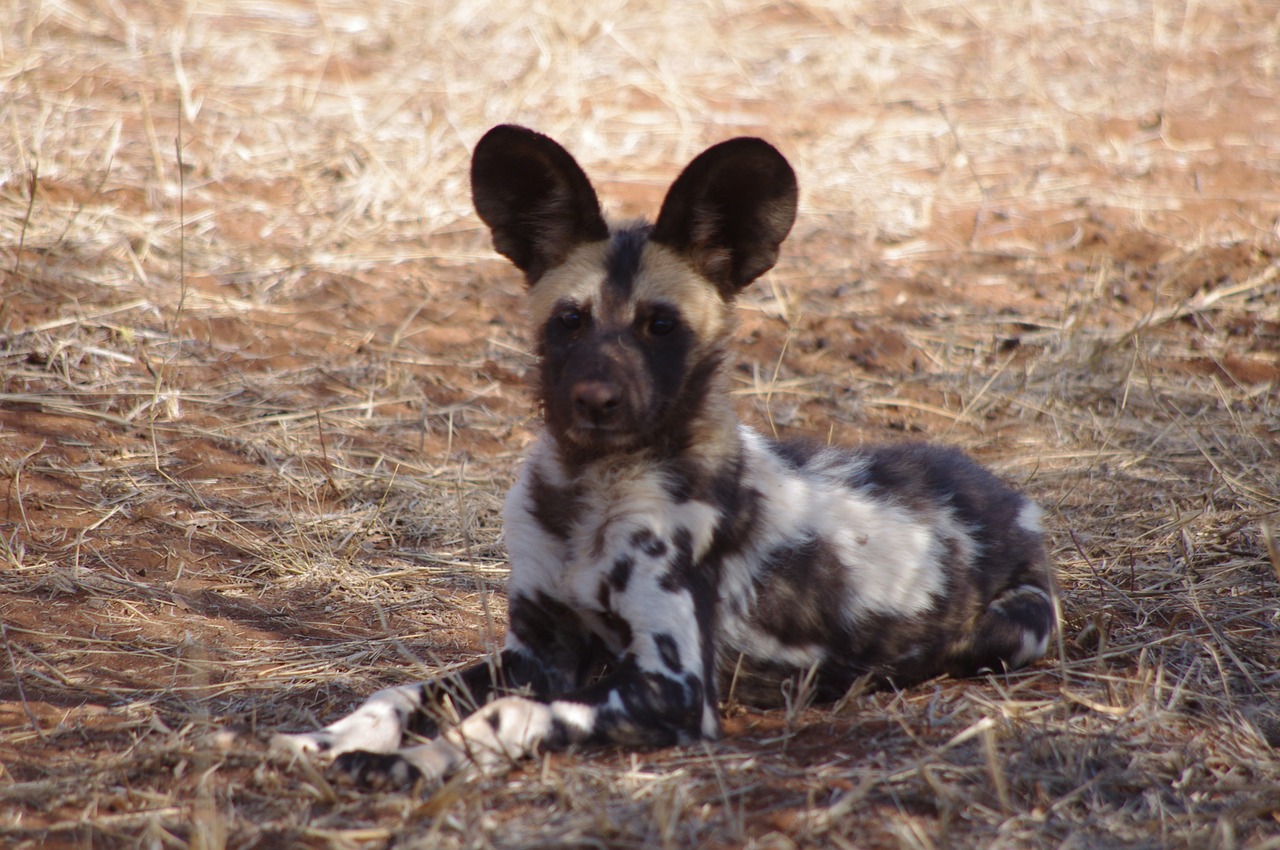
x=669, y=652
x=570, y=653
x=656, y=709
x=620, y=627
x=740, y=508
x=622, y=262
x=614, y=622
x=794, y=453
x=648, y=542
x=998, y=635
x=552, y=507
x=704, y=583
x=1026, y=609
x=556, y=739
x=542, y=622
x=800, y=594
x=378, y=771
x=690, y=389
x=620, y=575
x=677, y=575
x=680, y=487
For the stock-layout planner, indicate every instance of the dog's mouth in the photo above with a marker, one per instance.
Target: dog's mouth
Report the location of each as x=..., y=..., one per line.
x=592, y=435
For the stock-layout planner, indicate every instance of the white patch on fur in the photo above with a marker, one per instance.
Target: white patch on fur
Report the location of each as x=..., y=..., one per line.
x=654, y=614
x=579, y=718
x=700, y=520
x=435, y=759
x=1030, y=518
x=615, y=704
x=521, y=725
x=710, y=719
x=891, y=556
x=374, y=727
x=1033, y=646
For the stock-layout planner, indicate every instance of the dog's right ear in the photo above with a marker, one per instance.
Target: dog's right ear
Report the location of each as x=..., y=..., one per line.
x=534, y=196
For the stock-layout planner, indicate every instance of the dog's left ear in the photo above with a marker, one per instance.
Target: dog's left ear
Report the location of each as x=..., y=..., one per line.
x=534, y=196
x=729, y=211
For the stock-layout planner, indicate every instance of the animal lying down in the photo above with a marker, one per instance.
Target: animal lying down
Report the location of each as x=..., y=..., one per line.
x=658, y=547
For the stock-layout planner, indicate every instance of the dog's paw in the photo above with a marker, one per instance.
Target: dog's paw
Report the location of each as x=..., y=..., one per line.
x=302, y=743
x=377, y=771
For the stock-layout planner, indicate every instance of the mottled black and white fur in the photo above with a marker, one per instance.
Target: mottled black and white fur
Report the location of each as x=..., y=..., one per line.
x=658, y=547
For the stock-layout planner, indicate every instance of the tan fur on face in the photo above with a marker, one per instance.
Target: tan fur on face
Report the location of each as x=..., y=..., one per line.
x=666, y=276
x=663, y=276
x=578, y=280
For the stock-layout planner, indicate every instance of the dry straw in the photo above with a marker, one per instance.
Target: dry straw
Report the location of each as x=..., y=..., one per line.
x=261, y=391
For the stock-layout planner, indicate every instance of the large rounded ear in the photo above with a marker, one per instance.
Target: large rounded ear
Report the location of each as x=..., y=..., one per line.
x=729, y=211
x=535, y=198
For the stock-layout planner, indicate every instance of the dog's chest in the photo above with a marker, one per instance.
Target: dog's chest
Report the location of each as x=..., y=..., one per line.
x=624, y=551
x=629, y=536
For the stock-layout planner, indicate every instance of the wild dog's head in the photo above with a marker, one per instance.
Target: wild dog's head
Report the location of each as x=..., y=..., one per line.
x=631, y=321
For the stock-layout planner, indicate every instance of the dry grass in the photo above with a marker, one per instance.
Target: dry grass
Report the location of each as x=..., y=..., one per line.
x=261, y=392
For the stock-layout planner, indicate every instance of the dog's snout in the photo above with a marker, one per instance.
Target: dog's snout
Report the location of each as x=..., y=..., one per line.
x=596, y=401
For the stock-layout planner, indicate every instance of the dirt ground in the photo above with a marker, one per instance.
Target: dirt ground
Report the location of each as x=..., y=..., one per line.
x=263, y=384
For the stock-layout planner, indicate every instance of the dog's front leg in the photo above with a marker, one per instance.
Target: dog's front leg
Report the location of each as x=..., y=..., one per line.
x=657, y=693
x=633, y=706
x=492, y=739
x=380, y=724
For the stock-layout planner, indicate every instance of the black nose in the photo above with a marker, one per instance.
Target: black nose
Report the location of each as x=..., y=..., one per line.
x=596, y=401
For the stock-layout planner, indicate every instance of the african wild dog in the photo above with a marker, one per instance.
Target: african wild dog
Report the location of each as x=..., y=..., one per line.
x=659, y=548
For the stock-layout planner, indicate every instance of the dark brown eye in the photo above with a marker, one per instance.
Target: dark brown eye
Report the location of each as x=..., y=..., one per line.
x=661, y=325
x=571, y=319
